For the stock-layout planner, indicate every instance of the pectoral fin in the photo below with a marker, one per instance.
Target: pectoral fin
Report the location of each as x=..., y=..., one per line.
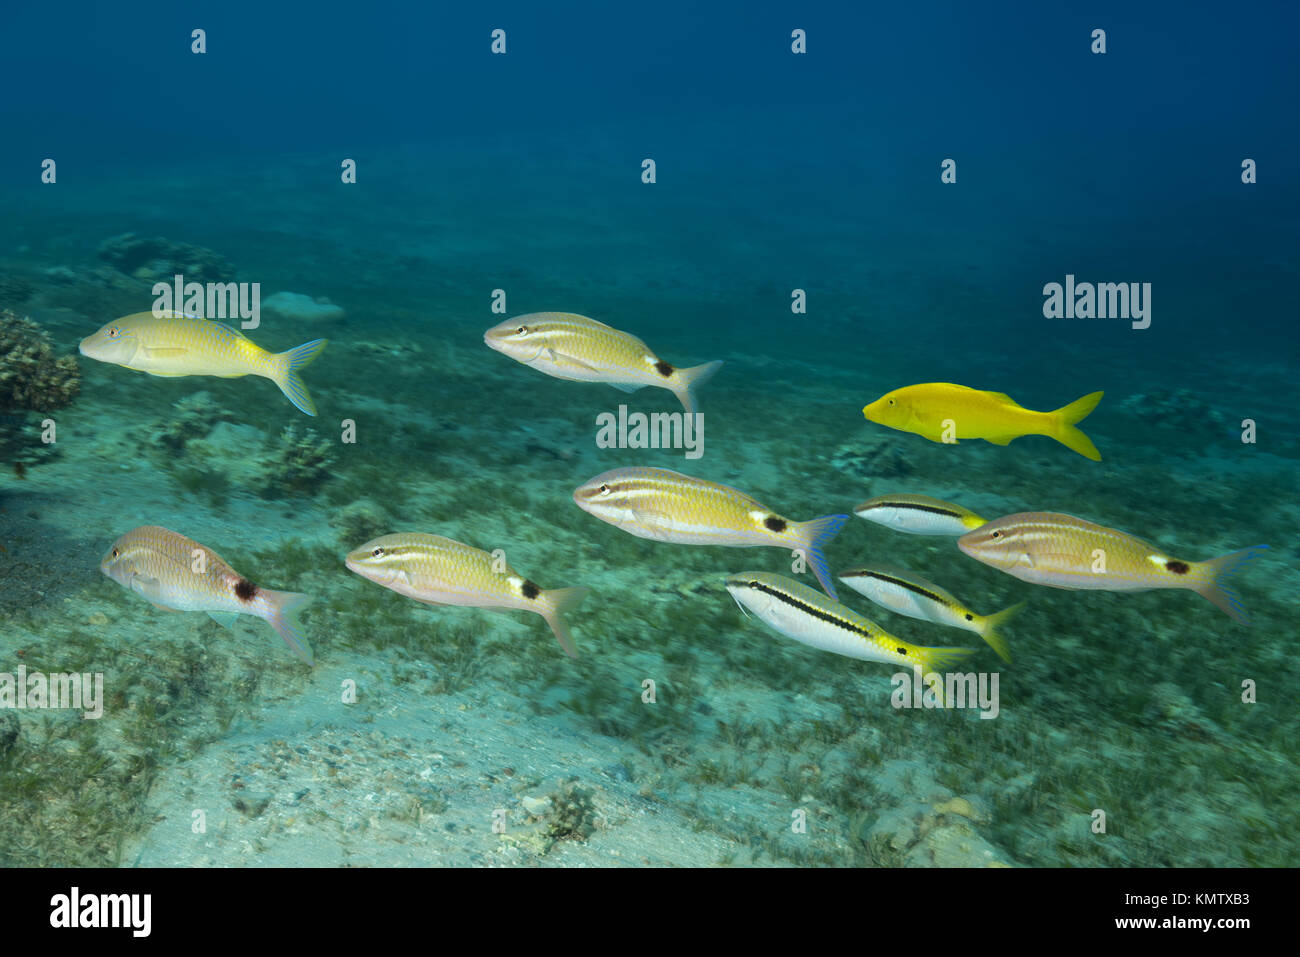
x=225, y=619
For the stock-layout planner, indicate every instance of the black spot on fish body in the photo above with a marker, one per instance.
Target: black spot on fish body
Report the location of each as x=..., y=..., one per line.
x=529, y=589
x=245, y=590
x=969, y=616
x=1178, y=568
x=775, y=523
x=901, y=651
x=663, y=368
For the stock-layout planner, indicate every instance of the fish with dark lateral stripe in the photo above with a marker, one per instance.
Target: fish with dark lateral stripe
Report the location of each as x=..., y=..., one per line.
x=908, y=594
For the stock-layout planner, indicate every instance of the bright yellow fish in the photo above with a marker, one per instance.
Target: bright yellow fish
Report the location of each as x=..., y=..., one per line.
x=943, y=412
x=174, y=344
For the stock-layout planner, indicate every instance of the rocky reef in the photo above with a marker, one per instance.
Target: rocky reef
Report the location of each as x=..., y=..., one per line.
x=160, y=258
x=32, y=377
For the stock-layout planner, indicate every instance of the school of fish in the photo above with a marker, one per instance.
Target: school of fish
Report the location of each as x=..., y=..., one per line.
x=176, y=573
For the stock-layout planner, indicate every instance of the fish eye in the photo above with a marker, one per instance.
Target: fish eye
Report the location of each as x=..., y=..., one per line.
x=114, y=332
x=996, y=534
x=891, y=401
x=522, y=330
x=604, y=489
x=115, y=553
x=378, y=552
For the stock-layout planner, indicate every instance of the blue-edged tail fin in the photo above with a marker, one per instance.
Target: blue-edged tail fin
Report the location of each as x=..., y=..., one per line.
x=287, y=366
x=1216, y=585
x=813, y=537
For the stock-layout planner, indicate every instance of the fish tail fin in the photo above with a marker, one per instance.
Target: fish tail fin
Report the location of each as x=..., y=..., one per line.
x=1064, y=420
x=939, y=661
x=1216, y=584
x=691, y=379
x=558, y=601
x=287, y=366
x=282, y=609
x=990, y=631
x=813, y=536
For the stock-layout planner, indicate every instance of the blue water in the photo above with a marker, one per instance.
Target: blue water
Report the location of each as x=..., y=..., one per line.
x=775, y=172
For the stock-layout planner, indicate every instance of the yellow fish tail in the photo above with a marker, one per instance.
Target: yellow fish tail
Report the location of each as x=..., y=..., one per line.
x=557, y=601
x=939, y=661
x=1063, y=425
x=813, y=536
x=285, y=369
x=691, y=379
x=993, y=636
x=1215, y=584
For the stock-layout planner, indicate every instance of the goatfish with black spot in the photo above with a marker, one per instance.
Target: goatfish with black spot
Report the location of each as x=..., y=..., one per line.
x=667, y=506
x=911, y=595
x=174, y=344
x=919, y=515
x=176, y=573
x=946, y=413
x=441, y=571
x=1061, y=551
x=573, y=347
x=809, y=617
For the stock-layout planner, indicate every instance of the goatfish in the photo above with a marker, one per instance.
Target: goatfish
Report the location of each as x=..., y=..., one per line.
x=1061, y=551
x=943, y=412
x=568, y=346
x=440, y=571
x=919, y=515
x=670, y=507
x=176, y=573
x=175, y=344
x=916, y=597
x=804, y=614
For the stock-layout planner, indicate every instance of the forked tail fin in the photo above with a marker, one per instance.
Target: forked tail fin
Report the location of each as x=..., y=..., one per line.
x=992, y=634
x=281, y=611
x=1217, y=587
x=813, y=537
x=287, y=366
x=557, y=602
x=691, y=379
x=1064, y=420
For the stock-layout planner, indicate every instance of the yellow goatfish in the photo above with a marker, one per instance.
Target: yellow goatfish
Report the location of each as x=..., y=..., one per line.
x=440, y=571
x=670, y=507
x=916, y=597
x=943, y=412
x=176, y=573
x=175, y=344
x=573, y=347
x=1061, y=551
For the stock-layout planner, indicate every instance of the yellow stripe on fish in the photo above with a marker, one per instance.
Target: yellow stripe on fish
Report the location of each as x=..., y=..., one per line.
x=944, y=412
x=668, y=506
x=176, y=573
x=441, y=571
x=569, y=346
x=175, y=344
x=1061, y=551
x=901, y=591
